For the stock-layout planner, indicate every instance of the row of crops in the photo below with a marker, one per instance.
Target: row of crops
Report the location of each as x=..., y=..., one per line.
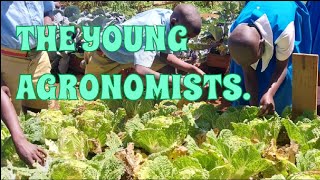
x=122, y=139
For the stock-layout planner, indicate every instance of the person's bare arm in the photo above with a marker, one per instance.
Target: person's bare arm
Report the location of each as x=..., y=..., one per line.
x=176, y=62
x=28, y=152
x=278, y=76
x=172, y=60
x=48, y=15
x=9, y=117
x=5, y=88
x=141, y=70
x=48, y=20
x=251, y=84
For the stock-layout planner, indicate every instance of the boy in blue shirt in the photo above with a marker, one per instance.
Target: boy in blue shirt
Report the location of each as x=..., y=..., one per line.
x=261, y=42
x=144, y=61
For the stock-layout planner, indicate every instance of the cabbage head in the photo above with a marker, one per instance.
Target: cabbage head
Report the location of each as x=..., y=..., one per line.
x=73, y=143
x=52, y=122
x=93, y=123
x=159, y=133
x=72, y=169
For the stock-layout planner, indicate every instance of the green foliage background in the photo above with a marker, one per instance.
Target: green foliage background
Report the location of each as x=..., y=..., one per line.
x=130, y=8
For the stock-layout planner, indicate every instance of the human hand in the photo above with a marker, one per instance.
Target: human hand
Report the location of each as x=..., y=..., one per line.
x=29, y=152
x=199, y=71
x=268, y=105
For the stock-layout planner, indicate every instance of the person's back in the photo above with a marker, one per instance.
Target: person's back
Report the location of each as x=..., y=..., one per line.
x=146, y=61
x=153, y=17
x=284, y=28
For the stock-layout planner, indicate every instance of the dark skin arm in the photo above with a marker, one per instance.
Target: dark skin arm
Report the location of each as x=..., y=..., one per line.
x=47, y=21
x=141, y=70
x=28, y=152
x=173, y=61
x=48, y=15
x=5, y=88
x=278, y=76
x=251, y=84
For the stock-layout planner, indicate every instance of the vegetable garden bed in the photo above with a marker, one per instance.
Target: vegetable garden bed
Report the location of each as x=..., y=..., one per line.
x=145, y=139
x=122, y=139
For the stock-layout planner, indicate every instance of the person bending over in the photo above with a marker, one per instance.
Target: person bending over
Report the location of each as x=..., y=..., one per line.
x=148, y=62
x=261, y=42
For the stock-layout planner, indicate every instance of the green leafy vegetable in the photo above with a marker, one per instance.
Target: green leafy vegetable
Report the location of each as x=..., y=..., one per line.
x=72, y=169
x=163, y=140
x=305, y=134
x=73, y=143
x=309, y=160
x=159, y=168
x=169, y=131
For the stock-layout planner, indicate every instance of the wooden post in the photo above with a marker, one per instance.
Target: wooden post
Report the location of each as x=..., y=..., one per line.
x=304, y=83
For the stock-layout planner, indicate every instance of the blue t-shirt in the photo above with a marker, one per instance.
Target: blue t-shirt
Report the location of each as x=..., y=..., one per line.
x=152, y=17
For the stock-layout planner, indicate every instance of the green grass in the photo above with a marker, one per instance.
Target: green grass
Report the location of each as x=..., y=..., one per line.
x=131, y=8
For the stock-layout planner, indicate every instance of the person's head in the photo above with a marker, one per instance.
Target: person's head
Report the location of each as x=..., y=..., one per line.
x=188, y=16
x=246, y=45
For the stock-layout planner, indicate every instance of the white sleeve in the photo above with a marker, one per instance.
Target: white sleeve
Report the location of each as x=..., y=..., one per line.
x=285, y=43
x=144, y=58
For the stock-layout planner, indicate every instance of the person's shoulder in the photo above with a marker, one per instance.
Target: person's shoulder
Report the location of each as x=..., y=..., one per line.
x=271, y=4
x=159, y=11
x=154, y=14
